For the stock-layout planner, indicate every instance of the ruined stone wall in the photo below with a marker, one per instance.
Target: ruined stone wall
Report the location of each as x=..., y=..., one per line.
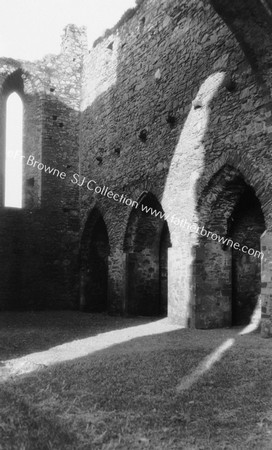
x=40, y=241
x=167, y=100
x=174, y=105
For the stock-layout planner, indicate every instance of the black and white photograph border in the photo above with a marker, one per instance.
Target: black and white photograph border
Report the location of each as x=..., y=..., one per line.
x=136, y=225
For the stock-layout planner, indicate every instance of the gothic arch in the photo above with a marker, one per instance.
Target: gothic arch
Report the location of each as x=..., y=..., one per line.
x=146, y=244
x=17, y=80
x=252, y=176
x=138, y=193
x=13, y=151
x=229, y=207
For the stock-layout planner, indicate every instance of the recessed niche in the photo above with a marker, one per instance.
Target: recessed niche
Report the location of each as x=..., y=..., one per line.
x=143, y=135
x=142, y=22
x=99, y=159
x=110, y=46
x=230, y=85
x=171, y=120
x=197, y=104
x=52, y=89
x=117, y=151
x=157, y=75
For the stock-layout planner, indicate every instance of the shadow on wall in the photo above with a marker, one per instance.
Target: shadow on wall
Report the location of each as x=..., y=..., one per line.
x=94, y=252
x=200, y=176
x=228, y=280
x=223, y=284
x=39, y=243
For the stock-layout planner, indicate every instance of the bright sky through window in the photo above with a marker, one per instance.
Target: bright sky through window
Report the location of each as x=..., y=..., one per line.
x=14, y=144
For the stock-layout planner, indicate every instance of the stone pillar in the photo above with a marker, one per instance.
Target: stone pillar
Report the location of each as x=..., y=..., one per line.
x=180, y=290
x=143, y=284
x=117, y=282
x=212, y=285
x=266, y=289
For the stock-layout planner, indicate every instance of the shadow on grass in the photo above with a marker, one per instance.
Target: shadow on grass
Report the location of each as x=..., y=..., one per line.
x=125, y=396
x=22, y=333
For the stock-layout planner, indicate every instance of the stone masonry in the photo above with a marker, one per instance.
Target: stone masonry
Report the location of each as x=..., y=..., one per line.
x=169, y=112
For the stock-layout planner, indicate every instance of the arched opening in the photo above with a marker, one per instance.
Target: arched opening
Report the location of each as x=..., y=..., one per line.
x=247, y=226
x=14, y=151
x=165, y=243
x=227, y=276
x=146, y=244
x=94, y=265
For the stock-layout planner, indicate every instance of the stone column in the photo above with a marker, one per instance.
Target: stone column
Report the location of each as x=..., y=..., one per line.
x=179, y=285
x=117, y=282
x=143, y=284
x=266, y=289
x=212, y=285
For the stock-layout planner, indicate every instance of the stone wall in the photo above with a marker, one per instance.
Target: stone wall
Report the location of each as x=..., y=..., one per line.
x=171, y=110
x=39, y=250
x=168, y=100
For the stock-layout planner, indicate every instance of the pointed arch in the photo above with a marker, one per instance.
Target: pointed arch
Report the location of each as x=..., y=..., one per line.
x=146, y=245
x=94, y=252
x=229, y=278
x=14, y=151
x=253, y=176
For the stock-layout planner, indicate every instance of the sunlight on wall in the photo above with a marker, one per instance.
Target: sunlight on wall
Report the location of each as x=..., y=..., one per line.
x=100, y=71
x=179, y=198
x=14, y=150
x=189, y=156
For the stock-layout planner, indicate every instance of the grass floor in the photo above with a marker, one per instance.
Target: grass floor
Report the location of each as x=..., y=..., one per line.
x=175, y=389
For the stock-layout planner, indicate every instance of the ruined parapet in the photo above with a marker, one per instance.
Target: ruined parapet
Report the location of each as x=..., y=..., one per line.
x=74, y=40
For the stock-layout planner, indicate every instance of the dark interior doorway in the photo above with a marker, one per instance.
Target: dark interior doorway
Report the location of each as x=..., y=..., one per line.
x=165, y=243
x=95, y=266
x=146, y=244
x=228, y=279
x=246, y=228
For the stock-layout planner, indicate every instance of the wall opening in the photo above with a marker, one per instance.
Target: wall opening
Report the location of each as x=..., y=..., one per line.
x=146, y=245
x=94, y=265
x=228, y=280
x=14, y=151
x=246, y=228
x=165, y=243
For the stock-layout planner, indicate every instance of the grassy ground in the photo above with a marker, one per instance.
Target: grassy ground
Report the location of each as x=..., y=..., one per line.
x=146, y=392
